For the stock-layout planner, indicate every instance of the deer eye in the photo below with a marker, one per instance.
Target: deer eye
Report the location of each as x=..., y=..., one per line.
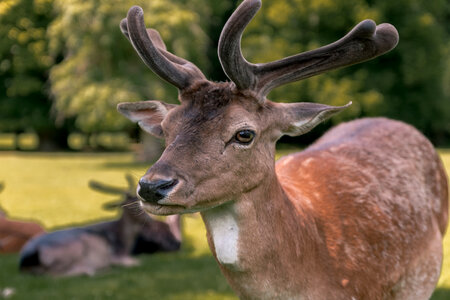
x=244, y=136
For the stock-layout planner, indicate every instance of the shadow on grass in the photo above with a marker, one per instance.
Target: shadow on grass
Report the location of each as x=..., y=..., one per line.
x=163, y=276
x=441, y=294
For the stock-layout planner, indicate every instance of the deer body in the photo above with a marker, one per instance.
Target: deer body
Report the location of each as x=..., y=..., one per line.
x=333, y=210
x=360, y=214
x=15, y=233
x=89, y=249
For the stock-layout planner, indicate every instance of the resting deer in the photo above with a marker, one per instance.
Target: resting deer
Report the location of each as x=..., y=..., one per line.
x=15, y=233
x=86, y=250
x=360, y=214
x=2, y=213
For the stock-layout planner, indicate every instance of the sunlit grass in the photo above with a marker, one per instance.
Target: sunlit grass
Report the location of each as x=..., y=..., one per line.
x=52, y=188
x=444, y=281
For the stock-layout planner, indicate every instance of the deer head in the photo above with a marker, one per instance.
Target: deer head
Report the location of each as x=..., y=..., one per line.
x=128, y=202
x=220, y=141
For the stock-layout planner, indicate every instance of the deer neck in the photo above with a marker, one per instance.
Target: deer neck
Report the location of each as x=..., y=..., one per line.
x=128, y=229
x=253, y=226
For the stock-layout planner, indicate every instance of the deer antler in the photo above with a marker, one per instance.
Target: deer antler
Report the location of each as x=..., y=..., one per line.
x=238, y=70
x=104, y=188
x=131, y=183
x=364, y=42
x=108, y=189
x=150, y=47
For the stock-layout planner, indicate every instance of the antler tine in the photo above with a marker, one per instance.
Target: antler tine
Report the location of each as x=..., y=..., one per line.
x=154, y=35
x=235, y=66
x=101, y=187
x=131, y=182
x=156, y=39
x=151, y=49
x=364, y=42
x=124, y=28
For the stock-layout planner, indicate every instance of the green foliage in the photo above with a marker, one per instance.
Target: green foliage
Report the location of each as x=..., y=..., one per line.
x=411, y=83
x=212, y=16
x=175, y=276
x=72, y=52
x=24, y=62
x=100, y=68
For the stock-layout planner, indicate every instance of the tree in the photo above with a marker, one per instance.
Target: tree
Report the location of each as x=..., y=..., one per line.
x=24, y=65
x=100, y=67
x=408, y=83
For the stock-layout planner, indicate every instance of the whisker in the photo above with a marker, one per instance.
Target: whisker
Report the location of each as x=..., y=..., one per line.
x=130, y=204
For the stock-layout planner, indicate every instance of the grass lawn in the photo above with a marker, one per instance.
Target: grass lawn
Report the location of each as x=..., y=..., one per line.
x=52, y=188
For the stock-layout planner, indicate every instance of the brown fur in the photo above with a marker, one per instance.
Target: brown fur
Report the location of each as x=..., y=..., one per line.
x=14, y=234
x=331, y=232
x=358, y=215
x=361, y=213
x=92, y=248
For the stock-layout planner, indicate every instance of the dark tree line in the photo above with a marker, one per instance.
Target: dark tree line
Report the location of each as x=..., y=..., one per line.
x=64, y=65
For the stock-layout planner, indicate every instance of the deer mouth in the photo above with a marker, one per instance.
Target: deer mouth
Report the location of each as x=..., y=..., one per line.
x=164, y=196
x=163, y=209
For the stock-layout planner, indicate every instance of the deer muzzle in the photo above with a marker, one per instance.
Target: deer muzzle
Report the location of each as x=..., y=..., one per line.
x=152, y=191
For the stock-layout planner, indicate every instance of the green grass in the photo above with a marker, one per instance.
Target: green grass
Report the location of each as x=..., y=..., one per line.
x=52, y=188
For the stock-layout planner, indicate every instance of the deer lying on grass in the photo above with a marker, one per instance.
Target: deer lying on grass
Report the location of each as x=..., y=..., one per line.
x=154, y=235
x=86, y=250
x=158, y=236
x=14, y=233
x=360, y=214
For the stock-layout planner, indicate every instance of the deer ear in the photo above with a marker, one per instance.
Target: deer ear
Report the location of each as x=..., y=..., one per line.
x=299, y=118
x=148, y=114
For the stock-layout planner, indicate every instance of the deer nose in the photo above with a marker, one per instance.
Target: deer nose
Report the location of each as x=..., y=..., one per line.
x=155, y=190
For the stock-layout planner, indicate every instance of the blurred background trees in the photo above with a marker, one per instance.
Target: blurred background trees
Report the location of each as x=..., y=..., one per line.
x=410, y=83
x=64, y=64
x=25, y=62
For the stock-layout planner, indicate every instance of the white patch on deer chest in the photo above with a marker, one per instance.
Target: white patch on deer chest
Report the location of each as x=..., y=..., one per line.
x=222, y=225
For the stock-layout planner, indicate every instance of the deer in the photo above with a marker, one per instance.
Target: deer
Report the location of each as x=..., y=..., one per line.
x=2, y=212
x=15, y=233
x=359, y=214
x=93, y=248
x=152, y=235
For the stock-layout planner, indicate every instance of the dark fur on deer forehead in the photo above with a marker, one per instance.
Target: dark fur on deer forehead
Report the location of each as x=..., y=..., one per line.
x=208, y=96
x=208, y=109
x=208, y=100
